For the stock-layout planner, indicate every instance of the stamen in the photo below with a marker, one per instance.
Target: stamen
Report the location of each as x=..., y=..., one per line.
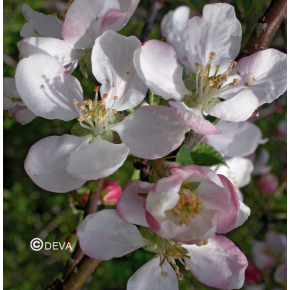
x=212, y=54
x=234, y=62
x=164, y=274
x=80, y=119
x=238, y=73
x=54, y=14
x=235, y=81
x=253, y=78
x=105, y=96
x=96, y=89
x=246, y=84
x=75, y=102
x=230, y=68
x=115, y=98
x=81, y=108
x=114, y=111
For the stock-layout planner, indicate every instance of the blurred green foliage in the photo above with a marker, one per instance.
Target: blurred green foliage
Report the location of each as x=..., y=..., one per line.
x=31, y=212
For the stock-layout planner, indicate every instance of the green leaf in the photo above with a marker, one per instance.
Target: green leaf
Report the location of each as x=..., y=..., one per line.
x=79, y=131
x=183, y=156
x=204, y=155
x=135, y=175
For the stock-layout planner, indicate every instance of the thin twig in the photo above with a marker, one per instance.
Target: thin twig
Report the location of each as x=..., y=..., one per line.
x=266, y=28
x=91, y=207
x=191, y=139
x=156, y=6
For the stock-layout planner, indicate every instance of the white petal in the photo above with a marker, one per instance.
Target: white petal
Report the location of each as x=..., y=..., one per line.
x=237, y=139
x=149, y=277
x=268, y=67
x=218, y=31
x=151, y=132
x=172, y=27
x=56, y=48
x=10, y=92
x=239, y=171
x=112, y=61
x=261, y=166
x=83, y=21
x=117, y=19
x=237, y=109
x=156, y=64
x=45, y=25
x=46, y=88
x=242, y=214
x=22, y=114
x=99, y=159
x=103, y=236
x=27, y=30
x=130, y=205
x=47, y=159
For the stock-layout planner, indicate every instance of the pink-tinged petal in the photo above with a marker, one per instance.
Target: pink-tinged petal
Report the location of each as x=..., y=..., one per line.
x=156, y=64
x=280, y=275
x=46, y=88
x=218, y=31
x=237, y=139
x=219, y=264
x=239, y=171
x=70, y=67
x=130, y=205
x=103, y=236
x=56, y=48
x=261, y=260
x=268, y=68
x=45, y=25
x=83, y=21
x=151, y=132
x=117, y=19
x=172, y=27
x=165, y=196
x=242, y=214
x=195, y=173
x=149, y=277
x=237, y=109
x=225, y=200
x=99, y=159
x=196, y=123
x=47, y=159
x=10, y=92
x=27, y=30
x=112, y=62
x=22, y=114
x=276, y=242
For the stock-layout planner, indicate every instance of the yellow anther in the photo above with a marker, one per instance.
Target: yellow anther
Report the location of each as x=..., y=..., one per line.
x=75, y=102
x=199, y=244
x=104, y=111
x=81, y=107
x=216, y=85
x=235, y=81
x=176, y=268
x=230, y=68
x=196, y=64
x=164, y=274
x=85, y=102
x=178, y=246
x=180, y=276
x=53, y=13
x=210, y=83
x=217, y=66
x=204, y=74
x=114, y=111
x=70, y=1
x=101, y=103
x=234, y=62
x=90, y=102
x=67, y=3
x=64, y=12
x=61, y=17
x=231, y=84
x=115, y=98
x=201, y=66
x=210, y=58
x=96, y=89
x=224, y=78
x=157, y=255
x=212, y=54
x=88, y=116
x=246, y=84
x=238, y=73
x=205, y=242
x=186, y=266
x=208, y=66
x=253, y=78
x=126, y=118
x=80, y=119
x=185, y=251
x=105, y=96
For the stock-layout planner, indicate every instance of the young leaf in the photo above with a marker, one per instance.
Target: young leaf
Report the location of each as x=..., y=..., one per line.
x=183, y=156
x=79, y=131
x=204, y=155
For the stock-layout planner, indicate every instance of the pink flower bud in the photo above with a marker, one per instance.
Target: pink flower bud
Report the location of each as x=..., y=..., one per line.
x=268, y=183
x=111, y=192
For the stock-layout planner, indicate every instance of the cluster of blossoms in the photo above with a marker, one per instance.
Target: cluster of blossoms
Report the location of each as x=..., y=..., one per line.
x=182, y=215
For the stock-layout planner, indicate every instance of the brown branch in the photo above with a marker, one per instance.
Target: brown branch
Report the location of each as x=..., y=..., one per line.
x=191, y=139
x=81, y=273
x=266, y=28
x=91, y=207
x=156, y=6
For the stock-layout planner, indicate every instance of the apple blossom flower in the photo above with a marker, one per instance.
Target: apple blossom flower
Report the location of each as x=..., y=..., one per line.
x=280, y=274
x=110, y=193
x=261, y=166
x=218, y=263
x=236, y=139
x=189, y=206
x=73, y=39
x=268, y=183
x=266, y=254
x=14, y=104
x=238, y=172
x=211, y=44
x=61, y=164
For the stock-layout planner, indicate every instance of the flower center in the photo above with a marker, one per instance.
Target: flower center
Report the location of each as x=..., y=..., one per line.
x=187, y=207
x=94, y=116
